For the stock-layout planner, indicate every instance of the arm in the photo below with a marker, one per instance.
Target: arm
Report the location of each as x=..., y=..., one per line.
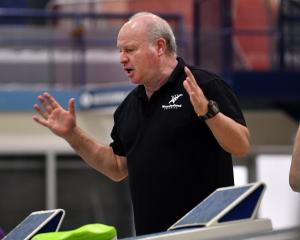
x=231, y=135
x=294, y=177
x=63, y=123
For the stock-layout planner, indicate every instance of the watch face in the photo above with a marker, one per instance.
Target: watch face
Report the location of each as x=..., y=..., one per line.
x=213, y=108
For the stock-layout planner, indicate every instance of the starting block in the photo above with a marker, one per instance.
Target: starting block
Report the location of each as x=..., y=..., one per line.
x=35, y=223
x=227, y=212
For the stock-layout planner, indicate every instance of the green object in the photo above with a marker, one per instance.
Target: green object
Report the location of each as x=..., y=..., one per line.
x=95, y=231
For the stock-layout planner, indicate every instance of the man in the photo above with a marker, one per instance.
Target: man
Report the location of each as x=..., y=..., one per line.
x=294, y=178
x=170, y=137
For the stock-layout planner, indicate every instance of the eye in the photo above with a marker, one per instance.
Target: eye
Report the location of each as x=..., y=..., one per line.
x=129, y=50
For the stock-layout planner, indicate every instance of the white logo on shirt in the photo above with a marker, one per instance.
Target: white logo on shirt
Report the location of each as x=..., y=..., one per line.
x=172, y=104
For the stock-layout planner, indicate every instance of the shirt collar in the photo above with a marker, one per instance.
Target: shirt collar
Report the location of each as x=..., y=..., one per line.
x=178, y=70
x=141, y=93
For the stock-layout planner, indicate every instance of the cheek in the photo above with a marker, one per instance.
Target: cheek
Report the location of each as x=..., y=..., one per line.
x=148, y=61
x=151, y=59
x=148, y=65
x=145, y=62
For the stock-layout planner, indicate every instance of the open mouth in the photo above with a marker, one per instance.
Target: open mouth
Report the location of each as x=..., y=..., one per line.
x=128, y=70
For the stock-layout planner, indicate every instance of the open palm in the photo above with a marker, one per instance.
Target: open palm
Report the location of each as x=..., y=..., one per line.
x=54, y=116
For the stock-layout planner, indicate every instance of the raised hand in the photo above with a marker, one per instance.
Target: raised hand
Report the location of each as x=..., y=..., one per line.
x=53, y=116
x=198, y=100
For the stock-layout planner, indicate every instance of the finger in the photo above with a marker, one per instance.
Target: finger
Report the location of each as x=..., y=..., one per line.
x=190, y=92
x=191, y=88
x=190, y=75
x=72, y=106
x=187, y=86
x=45, y=104
x=40, y=120
x=51, y=100
x=40, y=111
x=193, y=85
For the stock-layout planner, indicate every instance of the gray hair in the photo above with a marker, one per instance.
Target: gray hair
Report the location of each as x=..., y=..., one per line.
x=159, y=29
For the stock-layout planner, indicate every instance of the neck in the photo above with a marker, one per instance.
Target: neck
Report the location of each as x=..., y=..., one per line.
x=166, y=70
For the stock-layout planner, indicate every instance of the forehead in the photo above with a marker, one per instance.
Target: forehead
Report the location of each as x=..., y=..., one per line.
x=132, y=32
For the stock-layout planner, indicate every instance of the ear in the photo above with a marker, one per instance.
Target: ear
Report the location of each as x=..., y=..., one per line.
x=161, y=46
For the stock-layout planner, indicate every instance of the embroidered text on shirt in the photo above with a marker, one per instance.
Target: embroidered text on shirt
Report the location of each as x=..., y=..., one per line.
x=172, y=104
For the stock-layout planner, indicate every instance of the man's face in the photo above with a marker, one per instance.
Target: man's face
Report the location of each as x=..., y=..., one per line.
x=138, y=56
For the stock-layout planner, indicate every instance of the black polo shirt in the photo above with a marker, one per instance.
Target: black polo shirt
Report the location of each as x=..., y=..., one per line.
x=173, y=159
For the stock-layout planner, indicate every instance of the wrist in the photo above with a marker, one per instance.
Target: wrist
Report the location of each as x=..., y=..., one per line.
x=212, y=110
x=72, y=134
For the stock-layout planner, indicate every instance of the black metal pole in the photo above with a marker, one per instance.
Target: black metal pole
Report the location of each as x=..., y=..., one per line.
x=226, y=37
x=281, y=40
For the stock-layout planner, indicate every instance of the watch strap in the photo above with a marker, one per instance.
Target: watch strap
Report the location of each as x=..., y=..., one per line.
x=212, y=110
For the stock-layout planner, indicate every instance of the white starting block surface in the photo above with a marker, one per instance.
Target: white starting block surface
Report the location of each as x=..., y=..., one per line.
x=227, y=212
x=37, y=222
x=223, y=231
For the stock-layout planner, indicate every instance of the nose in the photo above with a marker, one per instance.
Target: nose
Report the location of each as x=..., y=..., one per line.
x=123, y=58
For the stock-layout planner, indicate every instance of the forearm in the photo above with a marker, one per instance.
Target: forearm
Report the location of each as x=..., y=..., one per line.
x=232, y=136
x=294, y=180
x=98, y=156
x=294, y=177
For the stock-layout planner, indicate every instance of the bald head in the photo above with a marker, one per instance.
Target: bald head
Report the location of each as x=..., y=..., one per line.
x=154, y=27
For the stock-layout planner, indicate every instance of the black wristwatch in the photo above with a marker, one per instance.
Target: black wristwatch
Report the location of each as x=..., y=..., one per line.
x=212, y=110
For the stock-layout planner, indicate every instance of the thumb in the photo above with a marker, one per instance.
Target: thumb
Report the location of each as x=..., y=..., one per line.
x=72, y=106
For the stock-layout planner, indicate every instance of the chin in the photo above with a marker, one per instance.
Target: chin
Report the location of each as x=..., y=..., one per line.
x=135, y=81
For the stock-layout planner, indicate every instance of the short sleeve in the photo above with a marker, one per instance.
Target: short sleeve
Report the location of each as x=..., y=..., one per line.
x=116, y=144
